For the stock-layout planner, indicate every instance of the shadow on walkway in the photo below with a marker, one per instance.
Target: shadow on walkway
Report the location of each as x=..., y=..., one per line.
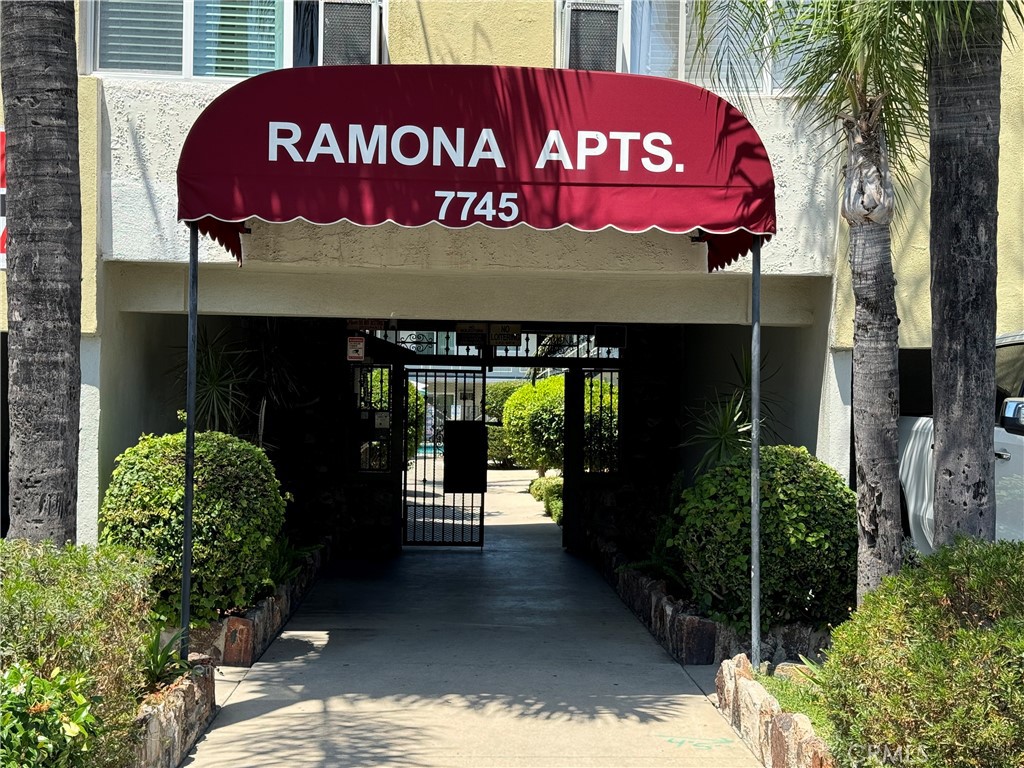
x=517, y=655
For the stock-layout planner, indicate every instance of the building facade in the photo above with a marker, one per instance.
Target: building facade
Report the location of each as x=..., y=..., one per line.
x=149, y=69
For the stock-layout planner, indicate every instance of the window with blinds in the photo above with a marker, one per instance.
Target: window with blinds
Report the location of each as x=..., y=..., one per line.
x=140, y=35
x=236, y=38
x=593, y=36
x=656, y=27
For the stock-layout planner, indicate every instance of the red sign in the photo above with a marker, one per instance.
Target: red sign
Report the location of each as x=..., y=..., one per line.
x=463, y=145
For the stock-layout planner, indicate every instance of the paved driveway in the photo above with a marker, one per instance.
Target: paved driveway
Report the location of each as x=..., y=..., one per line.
x=519, y=655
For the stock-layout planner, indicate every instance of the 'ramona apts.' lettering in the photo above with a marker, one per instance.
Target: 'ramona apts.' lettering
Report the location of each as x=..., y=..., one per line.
x=413, y=145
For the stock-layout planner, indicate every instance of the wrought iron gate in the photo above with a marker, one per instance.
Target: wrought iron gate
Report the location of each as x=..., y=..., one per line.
x=446, y=458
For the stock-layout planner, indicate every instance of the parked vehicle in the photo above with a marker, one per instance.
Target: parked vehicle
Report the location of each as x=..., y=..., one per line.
x=917, y=464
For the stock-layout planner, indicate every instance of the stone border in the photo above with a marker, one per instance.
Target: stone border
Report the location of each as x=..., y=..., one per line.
x=239, y=641
x=171, y=721
x=692, y=639
x=778, y=739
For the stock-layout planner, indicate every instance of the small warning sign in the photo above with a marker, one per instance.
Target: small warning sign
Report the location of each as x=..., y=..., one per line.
x=470, y=334
x=356, y=349
x=506, y=334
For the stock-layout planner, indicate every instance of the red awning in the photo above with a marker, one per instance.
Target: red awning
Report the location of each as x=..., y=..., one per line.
x=463, y=145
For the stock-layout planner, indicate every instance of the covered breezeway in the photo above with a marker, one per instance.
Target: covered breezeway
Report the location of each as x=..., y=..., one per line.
x=514, y=655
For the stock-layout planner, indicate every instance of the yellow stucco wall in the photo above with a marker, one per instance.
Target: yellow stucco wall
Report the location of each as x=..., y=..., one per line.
x=911, y=260
x=509, y=32
x=88, y=162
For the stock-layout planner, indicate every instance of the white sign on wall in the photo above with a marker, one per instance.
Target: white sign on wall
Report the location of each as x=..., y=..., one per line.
x=356, y=349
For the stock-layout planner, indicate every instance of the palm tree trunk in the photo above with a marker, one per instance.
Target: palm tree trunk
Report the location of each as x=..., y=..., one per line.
x=868, y=207
x=963, y=102
x=44, y=265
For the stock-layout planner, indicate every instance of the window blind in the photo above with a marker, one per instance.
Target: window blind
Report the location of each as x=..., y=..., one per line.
x=140, y=36
x=236, y=38
x=654, y=37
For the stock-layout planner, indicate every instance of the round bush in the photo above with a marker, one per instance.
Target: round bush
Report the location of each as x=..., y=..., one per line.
x=498, y=393
x=534, y=421
x=237, y=515
x=808, y=540
x=931, y=664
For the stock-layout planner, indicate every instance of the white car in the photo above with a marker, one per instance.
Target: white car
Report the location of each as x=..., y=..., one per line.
x=917, y=464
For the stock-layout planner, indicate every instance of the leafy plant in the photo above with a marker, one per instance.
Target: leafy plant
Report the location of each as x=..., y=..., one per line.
x=539, y=486
x=534, y=423
x=933, y=660
x=162, y=663
x=46, y=719
x=534, y=420
x=552, y=498
x=725, y=423
x=808, y=540
x=77, y=609
x=498, y=393
x=238, y=513
x=499, y=452
x=223, y=372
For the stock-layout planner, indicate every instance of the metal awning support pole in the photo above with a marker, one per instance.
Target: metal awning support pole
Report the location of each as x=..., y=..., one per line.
x=190, y=432
x=755, y=457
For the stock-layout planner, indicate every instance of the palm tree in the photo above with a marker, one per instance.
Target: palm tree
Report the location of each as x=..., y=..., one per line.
x=849, y=65
x=38, y=66
x=963, y=98
x=865, y=63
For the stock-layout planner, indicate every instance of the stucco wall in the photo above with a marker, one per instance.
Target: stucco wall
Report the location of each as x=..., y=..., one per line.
x=137, y=381
x=511, y=32
x=911, y=260
x=147, y=123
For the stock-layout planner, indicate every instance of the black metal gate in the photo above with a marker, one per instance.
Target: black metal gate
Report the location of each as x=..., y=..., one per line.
x=446, y=457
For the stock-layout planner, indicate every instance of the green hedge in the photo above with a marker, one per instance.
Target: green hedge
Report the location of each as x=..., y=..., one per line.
x=808, y=540
x=498, y=451
x=552, y=497
x=932, y=663
x=498, y=394
x=238, y=513
x=534, y=421
x=73, y=628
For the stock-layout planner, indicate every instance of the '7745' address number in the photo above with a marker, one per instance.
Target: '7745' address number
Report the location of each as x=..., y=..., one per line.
x=479, y=205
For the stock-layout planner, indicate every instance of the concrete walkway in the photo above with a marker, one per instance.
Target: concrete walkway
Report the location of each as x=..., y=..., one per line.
x=519, y=655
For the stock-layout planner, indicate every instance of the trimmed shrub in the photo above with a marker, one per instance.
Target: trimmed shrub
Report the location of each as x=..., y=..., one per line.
x=498, y=394
x=932, y=662
x=498, y=451
x=73, y=626
x=539, y=486
x=237, y=513
x=534, y=420
x=552, y=497
x=601, y=426
x=808, y=540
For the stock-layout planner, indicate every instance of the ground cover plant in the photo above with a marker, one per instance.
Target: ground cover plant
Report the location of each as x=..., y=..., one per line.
x=808, y=540
x=237, y=518
x=932, y=662
x=71, y=653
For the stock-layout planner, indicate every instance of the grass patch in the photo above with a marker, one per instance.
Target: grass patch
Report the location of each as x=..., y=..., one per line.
x=801, y=698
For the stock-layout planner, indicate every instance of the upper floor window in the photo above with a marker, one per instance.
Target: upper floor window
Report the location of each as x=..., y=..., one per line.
x=647, y=37
x=234, y=38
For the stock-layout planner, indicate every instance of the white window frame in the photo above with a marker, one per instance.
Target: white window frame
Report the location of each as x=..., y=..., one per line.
x=562, y=24
x=378, y=9
x=88, y=52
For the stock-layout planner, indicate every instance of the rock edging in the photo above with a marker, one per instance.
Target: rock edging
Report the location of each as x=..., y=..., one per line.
x=778, y=739
x=171, y=721
x=239, y=641
x=692, y=639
